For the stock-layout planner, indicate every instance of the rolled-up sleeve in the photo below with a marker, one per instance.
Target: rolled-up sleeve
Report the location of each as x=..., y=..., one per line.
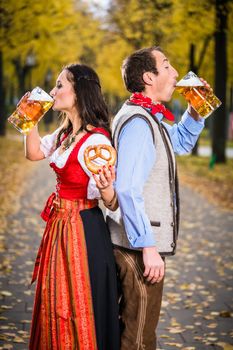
x=184, y=135
x=136, y=156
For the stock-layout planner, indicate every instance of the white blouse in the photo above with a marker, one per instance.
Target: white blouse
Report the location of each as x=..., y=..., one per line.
x=48, y=147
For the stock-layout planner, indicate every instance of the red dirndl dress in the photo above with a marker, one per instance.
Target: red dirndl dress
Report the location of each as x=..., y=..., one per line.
x=76, y=294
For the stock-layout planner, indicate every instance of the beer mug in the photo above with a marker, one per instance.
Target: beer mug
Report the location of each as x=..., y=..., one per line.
x=30, y=109
x=201, y=98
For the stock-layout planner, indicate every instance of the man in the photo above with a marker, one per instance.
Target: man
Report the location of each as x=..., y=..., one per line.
x=145, y=227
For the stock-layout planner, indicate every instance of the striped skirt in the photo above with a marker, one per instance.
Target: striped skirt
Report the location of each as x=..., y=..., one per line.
x=76, y=295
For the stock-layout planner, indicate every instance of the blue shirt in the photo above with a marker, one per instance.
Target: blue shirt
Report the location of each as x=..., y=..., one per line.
x=136, y=157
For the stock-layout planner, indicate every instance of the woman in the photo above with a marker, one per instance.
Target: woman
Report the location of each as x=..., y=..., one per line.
x=76, y=295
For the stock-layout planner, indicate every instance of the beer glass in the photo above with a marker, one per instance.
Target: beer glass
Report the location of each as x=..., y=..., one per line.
x=201, y=98
x=30, y=109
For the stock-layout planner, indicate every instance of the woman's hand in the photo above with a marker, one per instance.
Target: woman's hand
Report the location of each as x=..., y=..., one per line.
x=104, y=182
x=105, y=178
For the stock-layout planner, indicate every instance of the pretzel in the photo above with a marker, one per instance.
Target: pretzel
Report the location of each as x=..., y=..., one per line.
x=92, y=166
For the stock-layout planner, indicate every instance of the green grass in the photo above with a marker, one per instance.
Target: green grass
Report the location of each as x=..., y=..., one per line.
x=200, y=166
x=216, y=183
x=205, y=140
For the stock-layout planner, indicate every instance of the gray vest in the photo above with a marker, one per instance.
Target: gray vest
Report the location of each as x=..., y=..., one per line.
x=160, y=192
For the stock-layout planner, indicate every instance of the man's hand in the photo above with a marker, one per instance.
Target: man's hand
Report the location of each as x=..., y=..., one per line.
x=193, y=113
x=191, y=110
x=154, y=265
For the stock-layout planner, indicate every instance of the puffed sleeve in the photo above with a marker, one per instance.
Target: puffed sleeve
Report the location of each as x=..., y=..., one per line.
x=95, y=139
x=48, y=143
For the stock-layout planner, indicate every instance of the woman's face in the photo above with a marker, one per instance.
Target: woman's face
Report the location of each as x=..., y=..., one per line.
x=63, y=94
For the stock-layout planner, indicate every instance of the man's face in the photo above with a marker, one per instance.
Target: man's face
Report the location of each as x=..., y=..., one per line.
x=164, y=83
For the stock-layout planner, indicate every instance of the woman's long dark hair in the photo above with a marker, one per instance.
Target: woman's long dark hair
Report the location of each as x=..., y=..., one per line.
x=89, y=99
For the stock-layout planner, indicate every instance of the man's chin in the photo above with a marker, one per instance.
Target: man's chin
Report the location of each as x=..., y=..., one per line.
x=167, y=99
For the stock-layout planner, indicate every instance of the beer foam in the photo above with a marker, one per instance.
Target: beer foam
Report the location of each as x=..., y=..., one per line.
x=190, y=79
x=37, y=94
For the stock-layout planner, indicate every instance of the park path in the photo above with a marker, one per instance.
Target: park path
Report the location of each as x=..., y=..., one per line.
x=197, y=304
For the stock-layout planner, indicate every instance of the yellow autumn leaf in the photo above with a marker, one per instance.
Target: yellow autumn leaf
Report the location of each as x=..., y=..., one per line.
x=225, y=346
x=5, y=293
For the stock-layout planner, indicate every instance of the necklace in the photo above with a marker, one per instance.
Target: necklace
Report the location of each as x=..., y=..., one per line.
x=70, y=139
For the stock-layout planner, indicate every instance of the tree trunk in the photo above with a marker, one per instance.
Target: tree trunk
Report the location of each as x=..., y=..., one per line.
x=2, y=99
x=220, y=115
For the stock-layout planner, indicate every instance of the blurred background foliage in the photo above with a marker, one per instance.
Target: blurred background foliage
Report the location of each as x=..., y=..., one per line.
x=38, y=38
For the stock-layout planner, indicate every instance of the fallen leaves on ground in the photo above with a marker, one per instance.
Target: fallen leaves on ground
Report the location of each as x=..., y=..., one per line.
x=14, y=169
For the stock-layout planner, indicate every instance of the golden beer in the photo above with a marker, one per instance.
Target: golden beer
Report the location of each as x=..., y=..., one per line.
x=30, y=110
x=201, y=98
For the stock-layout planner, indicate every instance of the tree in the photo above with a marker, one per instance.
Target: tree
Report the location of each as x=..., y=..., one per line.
x=196, y=30
x=2, y=98
x=142, y=26
x=55, y=34
x=220, y=118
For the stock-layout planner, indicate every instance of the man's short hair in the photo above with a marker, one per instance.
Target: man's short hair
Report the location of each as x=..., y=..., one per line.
x=135, y=65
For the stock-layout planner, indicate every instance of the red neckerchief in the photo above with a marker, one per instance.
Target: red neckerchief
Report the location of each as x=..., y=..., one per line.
x=146, y=102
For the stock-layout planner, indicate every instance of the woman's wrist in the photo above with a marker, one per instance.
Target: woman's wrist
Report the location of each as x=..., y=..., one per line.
x=110, y=202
